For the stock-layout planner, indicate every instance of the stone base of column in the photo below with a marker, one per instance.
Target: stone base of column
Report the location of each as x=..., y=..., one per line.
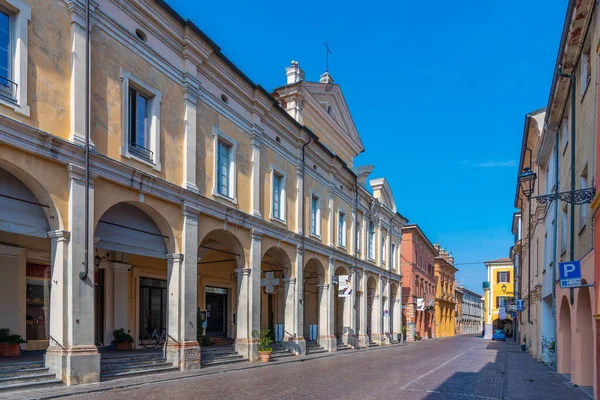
x=396, y=337
x=349, y=338
x=362, y=341
x=328, y=342
x=488, y=329
x=247, y=348
x=296, y=345
x=185, y=356
x=74, y=365
x=410, y=333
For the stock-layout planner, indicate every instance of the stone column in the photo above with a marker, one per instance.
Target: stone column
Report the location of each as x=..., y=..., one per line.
x=325, y=340
x=109, y=308
x=387, y=321
x=289, y=291
x=243, y=337
x=363, y=337
x=250, y=303
x=331, y=297
x=182, y=348
x=350, y=337
x=120, y=294
x=191, y=87
x=297, y=343
x=256, y=186
x=72, y=354
x=376, y=314
x=78, y=71
x=397, y=317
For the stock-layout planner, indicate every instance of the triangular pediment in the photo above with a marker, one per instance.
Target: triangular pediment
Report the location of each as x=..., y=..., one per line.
x=383, y=192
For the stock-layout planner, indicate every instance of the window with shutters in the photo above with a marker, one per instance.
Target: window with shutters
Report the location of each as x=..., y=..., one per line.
x=371, y=241
x=225, y=177
x=315, y=215
x=501, y=301
x=278, y=194
x=341, y=229
x=503, y=276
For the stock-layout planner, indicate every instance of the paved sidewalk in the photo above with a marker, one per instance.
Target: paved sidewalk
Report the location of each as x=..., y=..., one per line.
x=527, y=379
x=66, y=391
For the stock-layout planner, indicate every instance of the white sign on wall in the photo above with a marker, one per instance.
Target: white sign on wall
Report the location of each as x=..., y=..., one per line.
x=420, y=304
x=344, y=286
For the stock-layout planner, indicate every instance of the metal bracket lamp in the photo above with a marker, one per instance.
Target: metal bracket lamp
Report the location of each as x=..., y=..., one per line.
x=581, y=196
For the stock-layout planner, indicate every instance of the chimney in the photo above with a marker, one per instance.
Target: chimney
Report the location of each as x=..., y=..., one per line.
x=326, y=78
x=294, y=73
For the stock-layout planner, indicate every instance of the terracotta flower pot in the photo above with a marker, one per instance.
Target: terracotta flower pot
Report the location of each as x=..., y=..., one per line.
x=124, y=345
x=10, y=350
x=265, y=356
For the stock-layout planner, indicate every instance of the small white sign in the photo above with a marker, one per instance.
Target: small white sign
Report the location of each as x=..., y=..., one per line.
x=420, y=304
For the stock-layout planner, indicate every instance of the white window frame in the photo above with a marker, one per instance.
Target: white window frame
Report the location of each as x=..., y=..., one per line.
x=283, y=194
x=383, y=246
x=219, y=136
x=19, y=19
x=342, y=236
x=317, y=230
x=154, y=100
x=393, y=255
x=371, y=251
x=358, y=236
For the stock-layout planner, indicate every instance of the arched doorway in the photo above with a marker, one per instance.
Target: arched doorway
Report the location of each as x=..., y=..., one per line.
x=27, y=214
x=314, y=301
x=583, y=373
x=341, y=307
x=394, y=321
x=275, y=267
x=133, y=272
x=564, y=337
x=220, y=256
x=371, y=307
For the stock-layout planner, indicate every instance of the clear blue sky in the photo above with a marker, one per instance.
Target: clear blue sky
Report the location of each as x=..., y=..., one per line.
x=438, y=91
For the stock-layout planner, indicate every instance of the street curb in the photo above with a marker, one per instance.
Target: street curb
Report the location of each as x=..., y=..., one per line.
x=93, y=387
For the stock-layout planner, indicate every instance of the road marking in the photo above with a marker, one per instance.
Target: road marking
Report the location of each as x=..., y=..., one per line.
x=453, y=394
x=437, y=368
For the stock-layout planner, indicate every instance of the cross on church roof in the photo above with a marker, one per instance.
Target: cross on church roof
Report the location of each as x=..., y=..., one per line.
x=327, y=53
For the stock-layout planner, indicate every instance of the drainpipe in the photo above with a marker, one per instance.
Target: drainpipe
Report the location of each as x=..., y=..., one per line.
x=84, y=274
x=555, y=246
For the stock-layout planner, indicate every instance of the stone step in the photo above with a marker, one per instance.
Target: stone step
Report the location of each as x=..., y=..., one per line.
x=21, y=366
x=23, y=372
x=315, y=350
x=215, y=362
x=343, y=347
x=116, y=374
x=31, y=385
x=130, y=358
x=220, y=351
x=130, y=368
x=132, y=363
x=204, y=357
x=15, y=380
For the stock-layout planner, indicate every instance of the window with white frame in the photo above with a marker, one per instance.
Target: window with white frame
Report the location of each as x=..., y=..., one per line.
x=341, y=229
x=583, y=208
x=14, y=18
x=563, y=230
x=141, y=121
x=358, y=236
x=564, y=132
x=315, y=215
x=225, y=177
x=371, y=241
x=586, y=69
x=383, y=240
x=278, y=195
x=393, y=255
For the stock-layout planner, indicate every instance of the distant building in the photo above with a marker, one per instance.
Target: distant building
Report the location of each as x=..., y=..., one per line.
x=445, y=301
x=499, y=293
x=469, y=318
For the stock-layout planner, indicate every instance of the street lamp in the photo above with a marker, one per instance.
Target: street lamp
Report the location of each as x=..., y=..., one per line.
x=504, y=288
x=527, y=181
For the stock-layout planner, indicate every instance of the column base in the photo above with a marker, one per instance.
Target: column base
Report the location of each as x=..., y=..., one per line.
x=380, y=339
x=396, y=337
x=80, y=141
x=349, y=338
x=185, y=355
x=247, y=348
x=74, y=365
x=362, y=341
x=297, y=345
x=328, y=342
x=192, y=187
x=488, y=331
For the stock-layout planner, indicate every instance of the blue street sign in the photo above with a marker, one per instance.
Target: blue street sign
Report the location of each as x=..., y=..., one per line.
x=570, y=274
x=520, y=305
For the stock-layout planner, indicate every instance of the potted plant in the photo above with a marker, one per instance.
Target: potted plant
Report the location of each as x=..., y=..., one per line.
x=122, y=339
x=403, y=333
x=264, y=340
x=10, y=343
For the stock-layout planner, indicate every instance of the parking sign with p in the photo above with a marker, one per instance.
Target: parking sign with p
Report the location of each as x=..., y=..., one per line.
x=570, y=274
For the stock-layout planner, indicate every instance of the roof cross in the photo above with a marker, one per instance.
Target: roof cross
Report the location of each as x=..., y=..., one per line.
x=327, y=53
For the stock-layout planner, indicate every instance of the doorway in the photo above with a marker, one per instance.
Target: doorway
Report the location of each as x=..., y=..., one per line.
x=216, y=311
x=153, y=305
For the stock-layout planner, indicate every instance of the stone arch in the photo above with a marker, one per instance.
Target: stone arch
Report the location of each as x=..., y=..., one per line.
x=564, y=337
x=314, y=301
x=583, y=372
x=220, y=241
x=139, y=223
x=341, y=307
x=275, y=295
x=37, y=190
x=372, y=291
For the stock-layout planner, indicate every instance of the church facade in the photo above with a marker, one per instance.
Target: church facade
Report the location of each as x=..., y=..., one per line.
x=211, y=200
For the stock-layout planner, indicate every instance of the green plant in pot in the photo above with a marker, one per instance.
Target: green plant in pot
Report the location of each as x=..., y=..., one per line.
x=264, y=342
x=122, y=339
x=10, y=343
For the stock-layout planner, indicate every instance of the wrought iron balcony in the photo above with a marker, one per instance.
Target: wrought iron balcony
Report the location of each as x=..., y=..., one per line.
x=141, y=152
x=8, y=89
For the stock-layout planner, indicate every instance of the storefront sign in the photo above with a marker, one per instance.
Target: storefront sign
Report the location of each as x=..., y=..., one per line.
x=344, y=286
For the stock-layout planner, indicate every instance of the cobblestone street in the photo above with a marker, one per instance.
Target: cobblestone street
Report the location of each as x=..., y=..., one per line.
x=452, y=368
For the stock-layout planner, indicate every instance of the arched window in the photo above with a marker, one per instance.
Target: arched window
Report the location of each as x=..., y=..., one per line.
x=371, y=241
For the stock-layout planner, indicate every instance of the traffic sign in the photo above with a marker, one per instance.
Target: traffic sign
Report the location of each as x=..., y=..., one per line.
x=520, y=305
x=570, y=274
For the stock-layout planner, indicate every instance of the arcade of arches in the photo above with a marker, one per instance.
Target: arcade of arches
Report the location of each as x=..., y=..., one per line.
x=152, y=269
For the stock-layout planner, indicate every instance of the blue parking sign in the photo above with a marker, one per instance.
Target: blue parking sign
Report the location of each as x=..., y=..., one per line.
x=570, y=274
x=520, y=305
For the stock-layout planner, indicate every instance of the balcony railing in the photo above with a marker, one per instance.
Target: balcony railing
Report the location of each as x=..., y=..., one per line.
x=141, y=152
x=8, y=89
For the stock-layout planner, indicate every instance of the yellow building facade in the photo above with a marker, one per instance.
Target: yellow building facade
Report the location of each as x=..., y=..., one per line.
x=499, y=292
x=445, y=296
x=210, y=199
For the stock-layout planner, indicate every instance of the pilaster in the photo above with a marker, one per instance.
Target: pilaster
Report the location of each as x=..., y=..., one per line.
x=256, y=187
x=191, y=90
x=363, y=337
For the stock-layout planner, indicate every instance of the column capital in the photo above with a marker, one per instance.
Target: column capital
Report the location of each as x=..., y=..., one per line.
x=256, y=234
x=121, y=267
x=59, y=236
x=243, y=271
x=323, y=286
x=299, y=249
x=77, y=172
x=175, y=257
x=190, y=211
x=290, y=281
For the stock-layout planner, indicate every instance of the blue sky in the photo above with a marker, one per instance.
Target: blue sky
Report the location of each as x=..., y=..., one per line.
x=438, y=91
